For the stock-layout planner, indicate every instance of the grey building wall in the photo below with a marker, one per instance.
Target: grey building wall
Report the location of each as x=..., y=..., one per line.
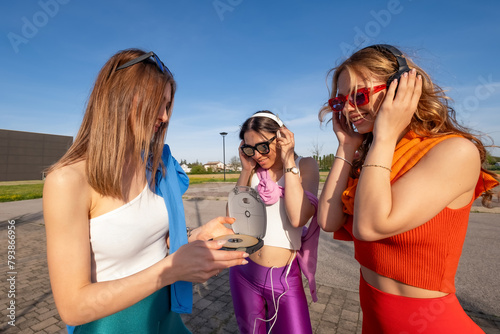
x=25, y=155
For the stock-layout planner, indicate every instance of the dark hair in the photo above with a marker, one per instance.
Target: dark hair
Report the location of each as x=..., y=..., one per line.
x=259, y=124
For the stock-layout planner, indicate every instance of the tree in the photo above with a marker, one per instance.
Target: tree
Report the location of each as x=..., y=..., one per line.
x=490, y=160
x=198, y=169
x=235, y=163
x=316, y=149
x=326, y=162
x=194, y=164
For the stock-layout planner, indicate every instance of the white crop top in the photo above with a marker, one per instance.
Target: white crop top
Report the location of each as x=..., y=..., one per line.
x=130, y=238
x=279, y=230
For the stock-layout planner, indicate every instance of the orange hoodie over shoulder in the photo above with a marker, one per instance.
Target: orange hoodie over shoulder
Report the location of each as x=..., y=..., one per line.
x=427, y=256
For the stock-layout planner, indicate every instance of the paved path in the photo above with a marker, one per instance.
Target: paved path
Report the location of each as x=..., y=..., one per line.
x=337, y=311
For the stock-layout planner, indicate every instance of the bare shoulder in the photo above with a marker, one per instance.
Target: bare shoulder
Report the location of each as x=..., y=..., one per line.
x=67, y=183
x=308, y=164
x=309, y=172
x=456, y=150
x=70, y=175
x=454, y=158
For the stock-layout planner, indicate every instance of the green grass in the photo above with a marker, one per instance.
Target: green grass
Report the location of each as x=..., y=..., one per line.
x=199, y=180
x=21, y=190
x=11, y=191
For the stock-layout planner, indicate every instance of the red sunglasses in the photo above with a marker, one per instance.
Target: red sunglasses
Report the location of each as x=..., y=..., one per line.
x=358, y=98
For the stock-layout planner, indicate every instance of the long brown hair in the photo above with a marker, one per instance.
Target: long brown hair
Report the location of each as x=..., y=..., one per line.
x=118, y=124
x=434, y=116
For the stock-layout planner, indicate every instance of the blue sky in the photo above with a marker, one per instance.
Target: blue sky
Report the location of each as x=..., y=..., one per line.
x=231, y=58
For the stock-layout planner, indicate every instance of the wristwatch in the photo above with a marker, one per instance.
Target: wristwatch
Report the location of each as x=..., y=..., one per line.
x=293, y=169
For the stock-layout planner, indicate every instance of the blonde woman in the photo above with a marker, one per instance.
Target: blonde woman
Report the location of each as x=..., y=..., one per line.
x=401, y=187
x=113, y=206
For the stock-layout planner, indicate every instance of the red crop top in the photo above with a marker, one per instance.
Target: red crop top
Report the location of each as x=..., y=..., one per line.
x=426, y=257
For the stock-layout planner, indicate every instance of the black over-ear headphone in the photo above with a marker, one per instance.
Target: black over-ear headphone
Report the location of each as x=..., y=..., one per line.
x=400, y=58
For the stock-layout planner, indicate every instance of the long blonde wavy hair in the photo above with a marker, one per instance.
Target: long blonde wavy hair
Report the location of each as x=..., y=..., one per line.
x=118, y=124
x=434, y=116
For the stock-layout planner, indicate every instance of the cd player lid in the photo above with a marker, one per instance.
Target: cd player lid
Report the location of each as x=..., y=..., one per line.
x=245, y=204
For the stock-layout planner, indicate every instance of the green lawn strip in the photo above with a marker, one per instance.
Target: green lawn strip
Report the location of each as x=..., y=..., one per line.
x=19, y=192
x=195, y=180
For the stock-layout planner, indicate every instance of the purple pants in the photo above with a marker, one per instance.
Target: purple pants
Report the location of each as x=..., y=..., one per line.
x=253, y=299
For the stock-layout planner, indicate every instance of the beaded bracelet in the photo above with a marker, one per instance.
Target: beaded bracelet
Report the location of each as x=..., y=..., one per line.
x=350, y=163
x=390, y=170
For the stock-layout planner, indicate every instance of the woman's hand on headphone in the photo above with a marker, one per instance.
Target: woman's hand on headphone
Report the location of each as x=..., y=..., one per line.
x=286, y=143
x=395, y=113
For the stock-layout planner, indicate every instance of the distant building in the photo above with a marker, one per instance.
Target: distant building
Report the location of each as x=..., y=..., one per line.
x=214, y=165
x=25, y=155
x=186, y=168
x=232, y=168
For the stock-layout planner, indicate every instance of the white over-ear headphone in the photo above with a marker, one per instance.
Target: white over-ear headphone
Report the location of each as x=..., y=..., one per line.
x=268, y=115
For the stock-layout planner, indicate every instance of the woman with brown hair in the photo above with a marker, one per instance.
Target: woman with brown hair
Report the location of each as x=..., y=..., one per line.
x=401, y=187
x=113, y=207
x=268, y=292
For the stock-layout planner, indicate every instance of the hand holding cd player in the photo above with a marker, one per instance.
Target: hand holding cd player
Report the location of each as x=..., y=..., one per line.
x=212, y=229
x=246, y=206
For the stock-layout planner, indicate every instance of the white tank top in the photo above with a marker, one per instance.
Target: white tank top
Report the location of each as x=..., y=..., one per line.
x=130, y=238
x=279, y=230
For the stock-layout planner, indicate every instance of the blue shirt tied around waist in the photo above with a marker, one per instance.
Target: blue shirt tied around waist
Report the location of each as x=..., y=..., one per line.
x=170, y=187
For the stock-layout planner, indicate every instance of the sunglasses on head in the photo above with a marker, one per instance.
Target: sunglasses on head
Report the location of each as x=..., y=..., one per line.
x=262, y=148
x=359, y=98
x=142, y=58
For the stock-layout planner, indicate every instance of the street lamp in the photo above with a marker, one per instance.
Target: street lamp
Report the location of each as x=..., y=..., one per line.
x=223, y=134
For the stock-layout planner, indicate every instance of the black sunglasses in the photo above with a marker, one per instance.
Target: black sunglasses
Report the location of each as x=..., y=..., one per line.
x=262, y=148
x=142, y=58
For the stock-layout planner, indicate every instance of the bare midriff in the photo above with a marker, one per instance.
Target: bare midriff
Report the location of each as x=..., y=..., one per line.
x=269, y=256
x=394, y=287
